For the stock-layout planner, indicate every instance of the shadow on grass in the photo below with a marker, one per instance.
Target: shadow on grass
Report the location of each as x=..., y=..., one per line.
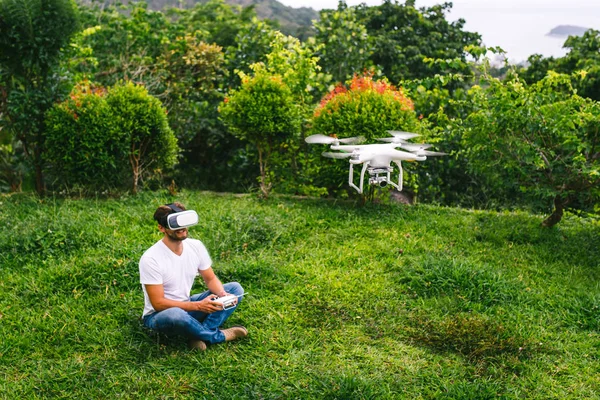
x=566, y=242
x=476, y=337
x=151, y=344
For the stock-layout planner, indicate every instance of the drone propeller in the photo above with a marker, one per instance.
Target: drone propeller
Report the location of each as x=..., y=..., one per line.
x=416, y=147
x=324, y=139
x=391, y=140
x=337, y=155
x=430, y=153
x=400, y=135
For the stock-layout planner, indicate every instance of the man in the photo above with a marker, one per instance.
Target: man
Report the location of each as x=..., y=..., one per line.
x=167, y=273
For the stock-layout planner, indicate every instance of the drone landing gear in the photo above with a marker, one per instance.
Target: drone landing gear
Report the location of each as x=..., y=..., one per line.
x=377, y=176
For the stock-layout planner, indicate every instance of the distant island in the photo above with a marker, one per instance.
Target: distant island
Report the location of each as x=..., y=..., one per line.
x=563, y=31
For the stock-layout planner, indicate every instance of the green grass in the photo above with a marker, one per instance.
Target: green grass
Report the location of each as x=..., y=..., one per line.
x=346, y=302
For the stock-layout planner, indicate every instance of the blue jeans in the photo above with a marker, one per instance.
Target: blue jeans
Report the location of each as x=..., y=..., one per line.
x=194, y=324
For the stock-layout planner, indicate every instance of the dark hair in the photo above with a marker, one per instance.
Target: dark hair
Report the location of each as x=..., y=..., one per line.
x=160, y=215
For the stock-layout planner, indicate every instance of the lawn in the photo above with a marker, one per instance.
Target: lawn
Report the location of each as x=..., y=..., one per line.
x=344, y=302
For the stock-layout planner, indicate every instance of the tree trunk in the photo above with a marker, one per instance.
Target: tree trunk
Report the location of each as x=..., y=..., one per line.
x=40, y=187
x=136, y=175
x=556, y=216
x=265, y=186
x=134, y=161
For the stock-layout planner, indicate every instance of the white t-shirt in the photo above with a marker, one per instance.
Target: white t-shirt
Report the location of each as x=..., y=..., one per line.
x=160, y=266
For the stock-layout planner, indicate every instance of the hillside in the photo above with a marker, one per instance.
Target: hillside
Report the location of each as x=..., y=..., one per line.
x=292, y=21
x=343, y=302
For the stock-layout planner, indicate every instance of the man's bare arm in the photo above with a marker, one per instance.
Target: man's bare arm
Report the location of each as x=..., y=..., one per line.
x=212, y=282
x=156, y=294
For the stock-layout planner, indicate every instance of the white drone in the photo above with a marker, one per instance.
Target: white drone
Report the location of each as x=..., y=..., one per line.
x=376, y=158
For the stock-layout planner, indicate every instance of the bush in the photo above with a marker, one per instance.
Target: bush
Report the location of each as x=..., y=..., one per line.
x=83, y=145
x=142, y=121
x=366, y=108
x=262, y=112
x=99, y=139
x=536, y=143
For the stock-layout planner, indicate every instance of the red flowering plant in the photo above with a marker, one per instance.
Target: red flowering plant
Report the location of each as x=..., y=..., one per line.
x=365, y=107
x=79, y=96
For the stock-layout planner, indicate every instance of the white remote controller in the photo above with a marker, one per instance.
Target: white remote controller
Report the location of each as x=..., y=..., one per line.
x=227, y=301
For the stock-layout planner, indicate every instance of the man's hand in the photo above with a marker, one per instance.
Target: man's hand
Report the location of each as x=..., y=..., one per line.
x=208, y=306
x=224, y=293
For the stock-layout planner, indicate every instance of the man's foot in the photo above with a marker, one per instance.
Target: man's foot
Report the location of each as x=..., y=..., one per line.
x=198, y=345
x=235, y=332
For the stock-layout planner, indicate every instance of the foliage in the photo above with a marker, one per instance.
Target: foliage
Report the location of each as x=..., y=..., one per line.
x=253, y=43
x=12, y=168
x=174, y=56
x=367, y=108
x=142, y=120
x=441, y=105
x=296, y=63
x=96, y=136
x=346, y=302
x=126, y=45
x=32, y=34
x=582, y=62
x=295, y=21
x=84, y=147
x=192, y=73
x=404, y=37
x=541, y=138
x=217, y=21
x=345, y=49
x=263, y=113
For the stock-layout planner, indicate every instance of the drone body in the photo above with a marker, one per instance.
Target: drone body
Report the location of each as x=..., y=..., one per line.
x=376, y=159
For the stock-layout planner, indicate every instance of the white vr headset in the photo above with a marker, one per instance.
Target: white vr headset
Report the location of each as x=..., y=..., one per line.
x=179, y=219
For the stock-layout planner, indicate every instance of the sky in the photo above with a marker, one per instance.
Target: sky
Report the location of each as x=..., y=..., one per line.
x=520, y=27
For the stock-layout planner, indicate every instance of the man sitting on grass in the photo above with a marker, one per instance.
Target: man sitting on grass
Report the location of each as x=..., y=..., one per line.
x=167, y=273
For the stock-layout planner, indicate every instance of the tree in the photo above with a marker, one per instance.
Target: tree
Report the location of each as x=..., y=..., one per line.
x=263, y=113
x=345, y=49
x=540, y=140
x=298, y=66
x=218, y=22
x=32, y=35
x=582, y=62
x=403, y=38
x=98, y=139
x=141, y=119
x=126, y=44
x=253, y=44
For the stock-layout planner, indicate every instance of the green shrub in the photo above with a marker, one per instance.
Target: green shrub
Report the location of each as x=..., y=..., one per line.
x=142, y=121
x=100, y=139
x=536, y=143
x=83, y=146
x=262, y=112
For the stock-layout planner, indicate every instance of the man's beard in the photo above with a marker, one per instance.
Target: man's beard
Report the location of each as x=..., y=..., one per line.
x=177, y=236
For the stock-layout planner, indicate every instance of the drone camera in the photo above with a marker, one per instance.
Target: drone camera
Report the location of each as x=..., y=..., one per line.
x=379, y=180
